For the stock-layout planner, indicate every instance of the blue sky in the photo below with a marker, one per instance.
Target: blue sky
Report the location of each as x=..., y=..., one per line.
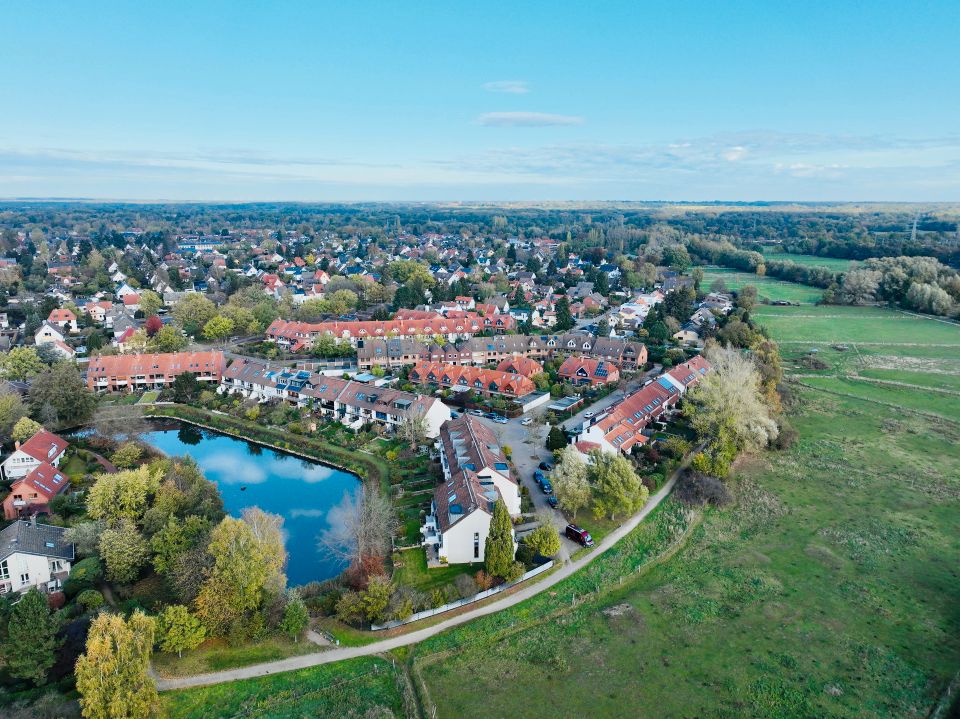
x=633, y=100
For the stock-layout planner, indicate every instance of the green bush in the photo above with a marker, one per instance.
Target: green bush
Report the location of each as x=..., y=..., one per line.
x=90, y=599
x=83, y=575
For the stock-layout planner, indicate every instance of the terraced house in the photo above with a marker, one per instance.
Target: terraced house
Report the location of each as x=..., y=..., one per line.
x=626, y=424
x=464, y=379
x=350, y=402
x=128, y=373
x=582, y=371
x=476, y=474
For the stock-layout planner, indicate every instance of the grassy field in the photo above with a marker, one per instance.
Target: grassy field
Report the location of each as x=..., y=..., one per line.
x=833, y=263
x=825, y=590
x=355, y=688
x=410, y=568
x=768, y=288
x=216, y=655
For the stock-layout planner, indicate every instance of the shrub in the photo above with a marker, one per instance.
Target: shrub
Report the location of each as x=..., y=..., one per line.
x=465, y=586
x=56, y=600
x=696, y=489
x=83, y=575
x=90, y=599
x=787, y=436
x=483, y=580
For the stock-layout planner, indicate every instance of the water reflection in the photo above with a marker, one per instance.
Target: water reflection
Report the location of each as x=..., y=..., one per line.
x=302, y=492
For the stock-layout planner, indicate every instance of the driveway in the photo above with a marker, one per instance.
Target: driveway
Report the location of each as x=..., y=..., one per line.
x=612, y=398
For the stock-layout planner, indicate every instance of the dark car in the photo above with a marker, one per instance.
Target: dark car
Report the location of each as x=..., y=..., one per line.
x=553, y=501
x=539, y=477
x=578, y=535
x=547, y=487
x=546, y=466
x=491, y=415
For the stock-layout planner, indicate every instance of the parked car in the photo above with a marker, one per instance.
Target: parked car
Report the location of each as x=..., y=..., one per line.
x=454, y=415
x=588, y=415
x=547, y=487
x=546, y=466
x=539, y=477
x=553, y=501
x=578, y=535
x=475, y=412
x=491, y=415
x=500, y=419
x=526, y=420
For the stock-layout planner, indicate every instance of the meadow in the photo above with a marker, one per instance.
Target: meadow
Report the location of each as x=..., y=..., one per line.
x=768, y=288
x=832, y=263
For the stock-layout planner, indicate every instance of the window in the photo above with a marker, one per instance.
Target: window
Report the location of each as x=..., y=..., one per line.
x=25, y=578
x=476, y=545
x=4, y=570
x=56, y=566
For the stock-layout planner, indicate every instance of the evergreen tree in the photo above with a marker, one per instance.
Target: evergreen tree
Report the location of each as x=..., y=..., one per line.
x=30, y=645
x=564, y=318
x=498, y=550
x=556, y=439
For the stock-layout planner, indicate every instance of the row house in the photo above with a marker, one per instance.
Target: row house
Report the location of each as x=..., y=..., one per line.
x=588, y=371
x=128, y=373
x=461, y=378
x=476, y=475
x=624, y=425
x=350, y=402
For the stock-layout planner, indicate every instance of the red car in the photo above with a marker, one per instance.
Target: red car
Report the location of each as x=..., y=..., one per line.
x=578, y=535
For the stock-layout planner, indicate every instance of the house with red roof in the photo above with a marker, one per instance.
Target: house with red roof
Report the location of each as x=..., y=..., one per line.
x=131, y=301
x=32, y=494
x=64, y=319
x=581, y=371
x=464, y=379
x=518, y=364
x=42, y=448
x=134, y=372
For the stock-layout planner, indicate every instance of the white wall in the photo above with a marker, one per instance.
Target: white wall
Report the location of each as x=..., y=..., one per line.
x=36, y=566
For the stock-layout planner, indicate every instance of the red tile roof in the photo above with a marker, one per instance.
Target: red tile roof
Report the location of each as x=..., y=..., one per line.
x=44, y=446
x=46, y=480
x=476, y=378
x=61, y=316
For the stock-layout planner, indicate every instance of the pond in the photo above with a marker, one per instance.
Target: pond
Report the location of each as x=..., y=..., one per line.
x=249, y=475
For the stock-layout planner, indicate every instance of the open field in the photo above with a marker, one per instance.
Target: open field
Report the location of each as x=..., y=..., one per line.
x=355, y=688
x=215, y=655
x=768, y=288
x=833, y=263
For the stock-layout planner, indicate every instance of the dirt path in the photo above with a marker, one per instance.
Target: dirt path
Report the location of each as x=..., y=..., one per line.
x=403, y=640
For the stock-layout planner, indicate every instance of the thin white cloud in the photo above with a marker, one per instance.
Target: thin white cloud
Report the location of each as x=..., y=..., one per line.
x=527, y=119
x=511, y=87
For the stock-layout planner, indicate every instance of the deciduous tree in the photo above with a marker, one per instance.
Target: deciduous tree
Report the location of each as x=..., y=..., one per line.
x=295, y=617
x=124, y=551
x=24, y=429
x=570, y=483
x=122, y=495
x=112, y=676
x=617, y=488
x=178, y=629
x=59, y=392
x=544, y=540
x=21, y=363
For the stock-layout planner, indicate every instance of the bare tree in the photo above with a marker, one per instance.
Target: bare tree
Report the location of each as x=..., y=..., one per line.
x=413, y=430
x=360, y=528
x=114, y=420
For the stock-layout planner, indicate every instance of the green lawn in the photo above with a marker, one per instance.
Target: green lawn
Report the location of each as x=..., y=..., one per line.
x=832, y=263
x=216, y=655
x=768, y=288
x=935, y=403
x=933, y=380
x=149, y=397
x=410, y=568
x=355, y=688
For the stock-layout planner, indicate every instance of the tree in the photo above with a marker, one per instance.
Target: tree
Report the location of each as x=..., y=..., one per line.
x=860, y=286
x=153, y=325
x=544, y=540
x=12, y=412
x=747, y=297
x=570, y=483
x=375, y=599
x=59, y=393
x=24, y=429
x=185, y=387
x=175, y=538
x=85, y=537
x=295, y=617
x=498, y=549
x=124, y=551
x=728, y=411
x=122, y=495
x=168, y=339
x=113, y=675
x=235, y=583
x=193, y=312
x=413, y=430
x=21, y=363
x=617, y=488
x=150, y=303
x=677, y=257
x=218, y=328
x=267, y=529
x=360, y=530
x=564, y=318
x=178, y=629
x=556, y=439
x=128, y=455
x=29, y=648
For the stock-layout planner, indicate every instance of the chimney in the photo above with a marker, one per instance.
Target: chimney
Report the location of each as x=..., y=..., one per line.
x=16, y=445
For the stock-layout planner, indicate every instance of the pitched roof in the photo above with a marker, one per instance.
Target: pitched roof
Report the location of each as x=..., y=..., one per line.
x=170, y=363
x=40, y=539
x=44, y=446
x=63, y=315
x=46, y=480
x=474, y=377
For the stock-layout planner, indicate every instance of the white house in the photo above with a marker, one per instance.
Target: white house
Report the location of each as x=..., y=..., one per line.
x=477, y=474
x=33, y=555
x=48, y=333
x=42, y=447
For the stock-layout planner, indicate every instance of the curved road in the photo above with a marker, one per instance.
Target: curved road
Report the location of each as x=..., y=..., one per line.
x=419, y=635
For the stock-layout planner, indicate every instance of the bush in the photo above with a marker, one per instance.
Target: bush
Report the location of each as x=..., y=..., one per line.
x=787, y=436
x=90, y=599
x=696, y=489
x=56, y=600
x=465, y=586
x=83, y=575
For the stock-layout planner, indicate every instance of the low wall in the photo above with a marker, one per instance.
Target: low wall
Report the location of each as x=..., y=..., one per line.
x=427, y=613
